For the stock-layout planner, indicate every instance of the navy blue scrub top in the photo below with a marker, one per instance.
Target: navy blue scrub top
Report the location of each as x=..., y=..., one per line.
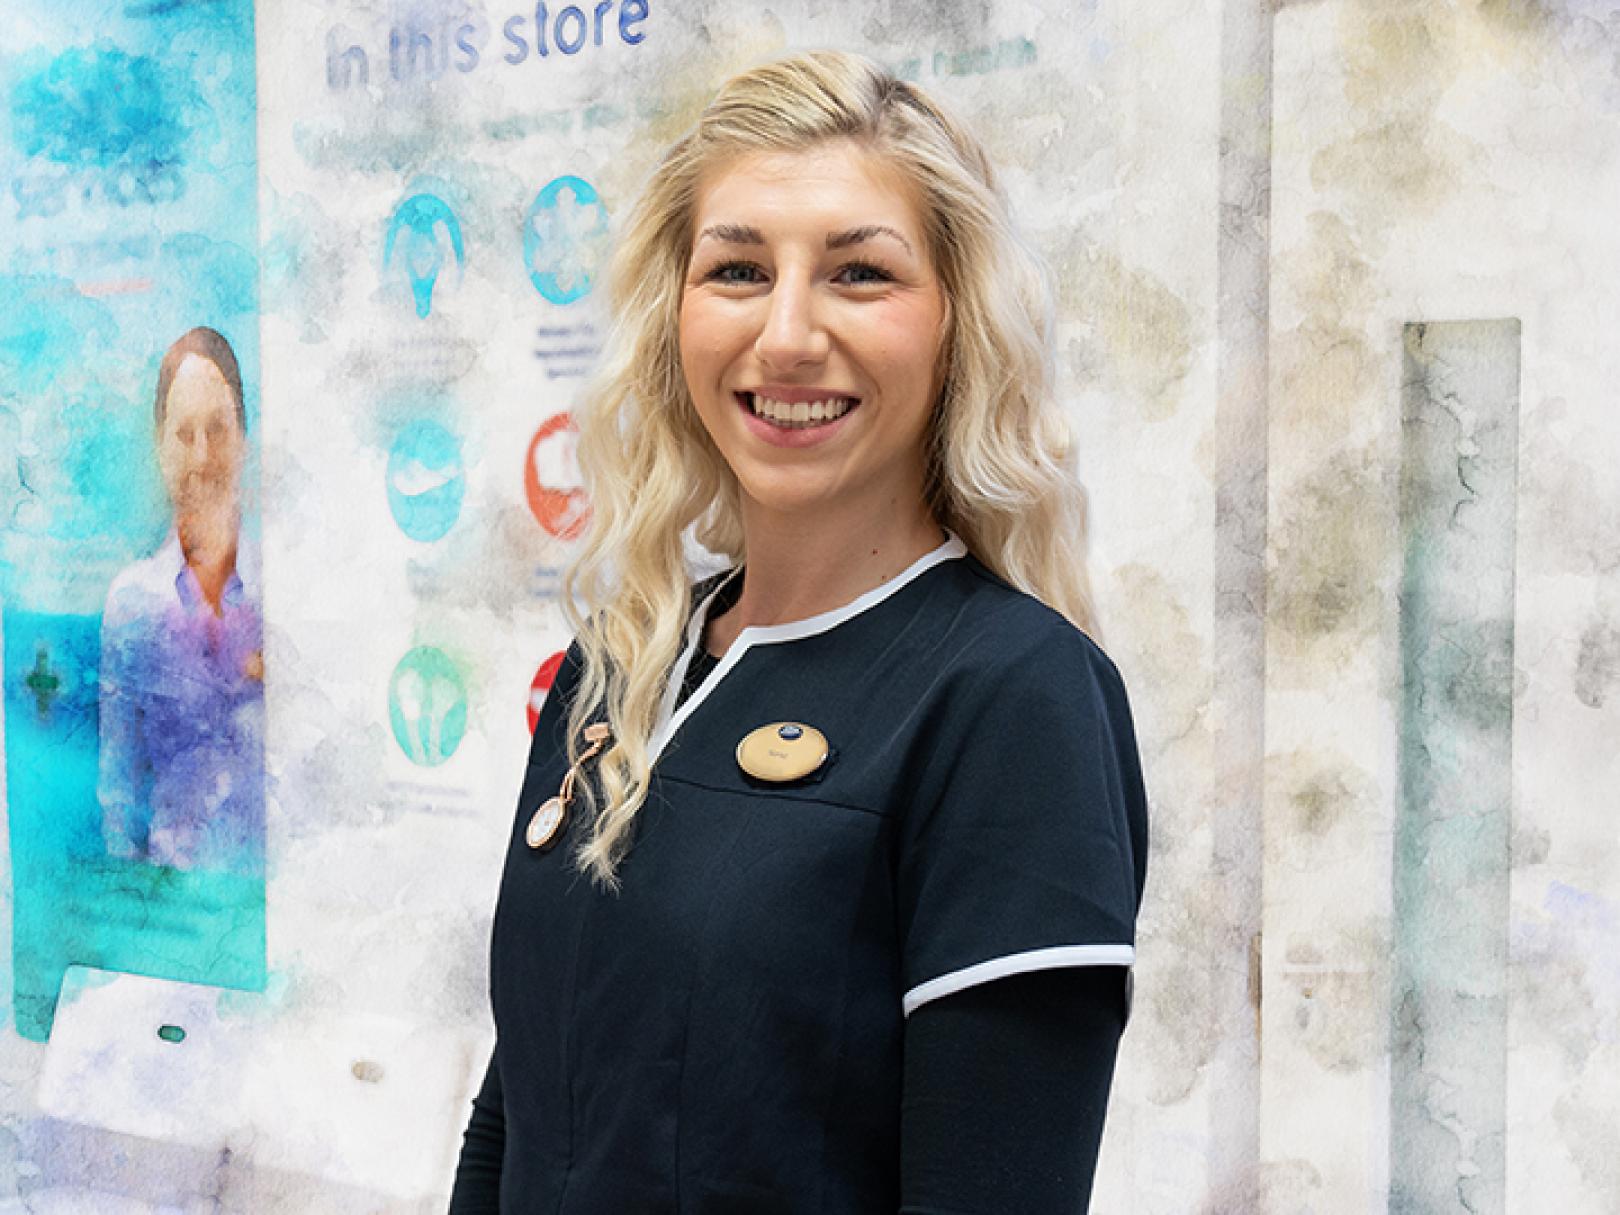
x=724, y=1034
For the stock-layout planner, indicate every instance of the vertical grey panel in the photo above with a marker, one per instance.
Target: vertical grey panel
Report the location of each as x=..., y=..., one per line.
x=1460, y=392
x=1238, y=691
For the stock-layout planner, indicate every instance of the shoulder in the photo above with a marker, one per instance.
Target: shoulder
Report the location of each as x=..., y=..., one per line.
x=566, y=679
x=1001, y=643
x=141, y=588
x=1021, y=763
x=550, y=729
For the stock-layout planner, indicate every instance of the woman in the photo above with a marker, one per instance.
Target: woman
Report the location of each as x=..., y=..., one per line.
x=861, y=817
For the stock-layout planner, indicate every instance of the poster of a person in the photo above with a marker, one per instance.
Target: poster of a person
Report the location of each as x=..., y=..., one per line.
x=180, y=777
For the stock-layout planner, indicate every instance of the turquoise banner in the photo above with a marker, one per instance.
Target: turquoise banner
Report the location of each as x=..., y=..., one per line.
x=129, y=574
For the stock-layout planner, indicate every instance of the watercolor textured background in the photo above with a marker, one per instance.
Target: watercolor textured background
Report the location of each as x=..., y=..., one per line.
x=1337, y=282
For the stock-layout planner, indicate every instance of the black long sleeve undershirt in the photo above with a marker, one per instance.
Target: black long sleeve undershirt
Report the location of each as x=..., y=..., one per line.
x=477, y=1189
x=1006, y=1086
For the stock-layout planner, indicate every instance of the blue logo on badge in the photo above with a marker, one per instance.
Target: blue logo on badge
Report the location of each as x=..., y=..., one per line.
x=790, y=731
x=416, y=225
x=426, y=482
x=564, y=236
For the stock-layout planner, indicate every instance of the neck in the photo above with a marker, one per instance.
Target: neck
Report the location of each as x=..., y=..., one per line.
x=208, y=539
x=799, y=567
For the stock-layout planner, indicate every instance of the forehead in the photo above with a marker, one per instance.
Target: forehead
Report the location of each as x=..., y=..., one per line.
x=835, y=184
x=197, y=385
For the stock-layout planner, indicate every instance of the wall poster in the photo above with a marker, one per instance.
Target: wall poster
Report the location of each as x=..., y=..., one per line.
x=130, y=591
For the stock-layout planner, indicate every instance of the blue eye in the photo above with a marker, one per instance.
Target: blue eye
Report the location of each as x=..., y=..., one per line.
x=722, y=272
x=878, y=273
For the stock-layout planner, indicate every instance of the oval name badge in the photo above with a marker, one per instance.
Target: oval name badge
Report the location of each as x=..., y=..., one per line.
x=782, y=751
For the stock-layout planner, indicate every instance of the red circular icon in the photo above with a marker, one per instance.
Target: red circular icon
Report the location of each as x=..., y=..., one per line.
x=543, y=679
x=551, y=478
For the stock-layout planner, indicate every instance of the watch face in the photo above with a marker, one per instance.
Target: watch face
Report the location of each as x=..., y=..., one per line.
x=546, y=825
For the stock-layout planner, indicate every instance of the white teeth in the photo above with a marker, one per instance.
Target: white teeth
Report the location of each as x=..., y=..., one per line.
x=799, y=414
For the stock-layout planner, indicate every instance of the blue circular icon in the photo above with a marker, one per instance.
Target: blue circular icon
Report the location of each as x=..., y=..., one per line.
x=426, y=482
x=416, y=227
x=427, y=706
x=790, y=732
x=564, y=235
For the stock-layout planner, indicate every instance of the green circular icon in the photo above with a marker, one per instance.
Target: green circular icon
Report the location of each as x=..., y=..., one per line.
x=427, y=706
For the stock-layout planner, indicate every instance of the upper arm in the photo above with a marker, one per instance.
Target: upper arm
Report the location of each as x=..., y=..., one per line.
x=1023, y=847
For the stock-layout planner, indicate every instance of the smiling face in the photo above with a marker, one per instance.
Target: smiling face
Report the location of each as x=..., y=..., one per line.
x=200, y=445
x=811, y=328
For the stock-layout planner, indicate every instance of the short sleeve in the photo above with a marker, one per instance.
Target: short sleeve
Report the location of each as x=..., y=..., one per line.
x=1024, y=846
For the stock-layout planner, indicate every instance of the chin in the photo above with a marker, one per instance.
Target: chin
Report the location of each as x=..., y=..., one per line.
x=789, y=495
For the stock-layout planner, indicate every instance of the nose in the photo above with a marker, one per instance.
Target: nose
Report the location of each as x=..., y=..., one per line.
x=793, y=333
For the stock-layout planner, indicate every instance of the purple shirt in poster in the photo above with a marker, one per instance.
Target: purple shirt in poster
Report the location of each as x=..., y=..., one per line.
x=181, y=778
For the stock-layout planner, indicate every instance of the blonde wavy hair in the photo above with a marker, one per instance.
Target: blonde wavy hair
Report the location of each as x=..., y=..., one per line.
x=1000, y=469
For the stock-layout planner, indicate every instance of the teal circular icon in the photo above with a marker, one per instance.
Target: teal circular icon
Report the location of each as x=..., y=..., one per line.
x=426, y=482
x=427, y=706
x=564, y=235
x=420, y=228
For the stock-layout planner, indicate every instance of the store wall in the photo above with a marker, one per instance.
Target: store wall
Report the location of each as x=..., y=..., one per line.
x=1442, y=999
x=1320, y=271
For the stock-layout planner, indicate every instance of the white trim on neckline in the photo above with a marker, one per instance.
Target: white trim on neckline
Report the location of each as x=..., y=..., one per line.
x=669, y=720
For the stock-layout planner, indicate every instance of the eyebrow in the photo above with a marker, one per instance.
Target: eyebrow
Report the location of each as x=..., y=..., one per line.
x=855, y=236
x=742, y=234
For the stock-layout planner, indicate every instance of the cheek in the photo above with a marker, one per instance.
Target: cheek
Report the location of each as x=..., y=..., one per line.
x=714, y=332
x=903, y=353
x=907, y=331
x=700, y=365
x=694, y=360
x=700, y=331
